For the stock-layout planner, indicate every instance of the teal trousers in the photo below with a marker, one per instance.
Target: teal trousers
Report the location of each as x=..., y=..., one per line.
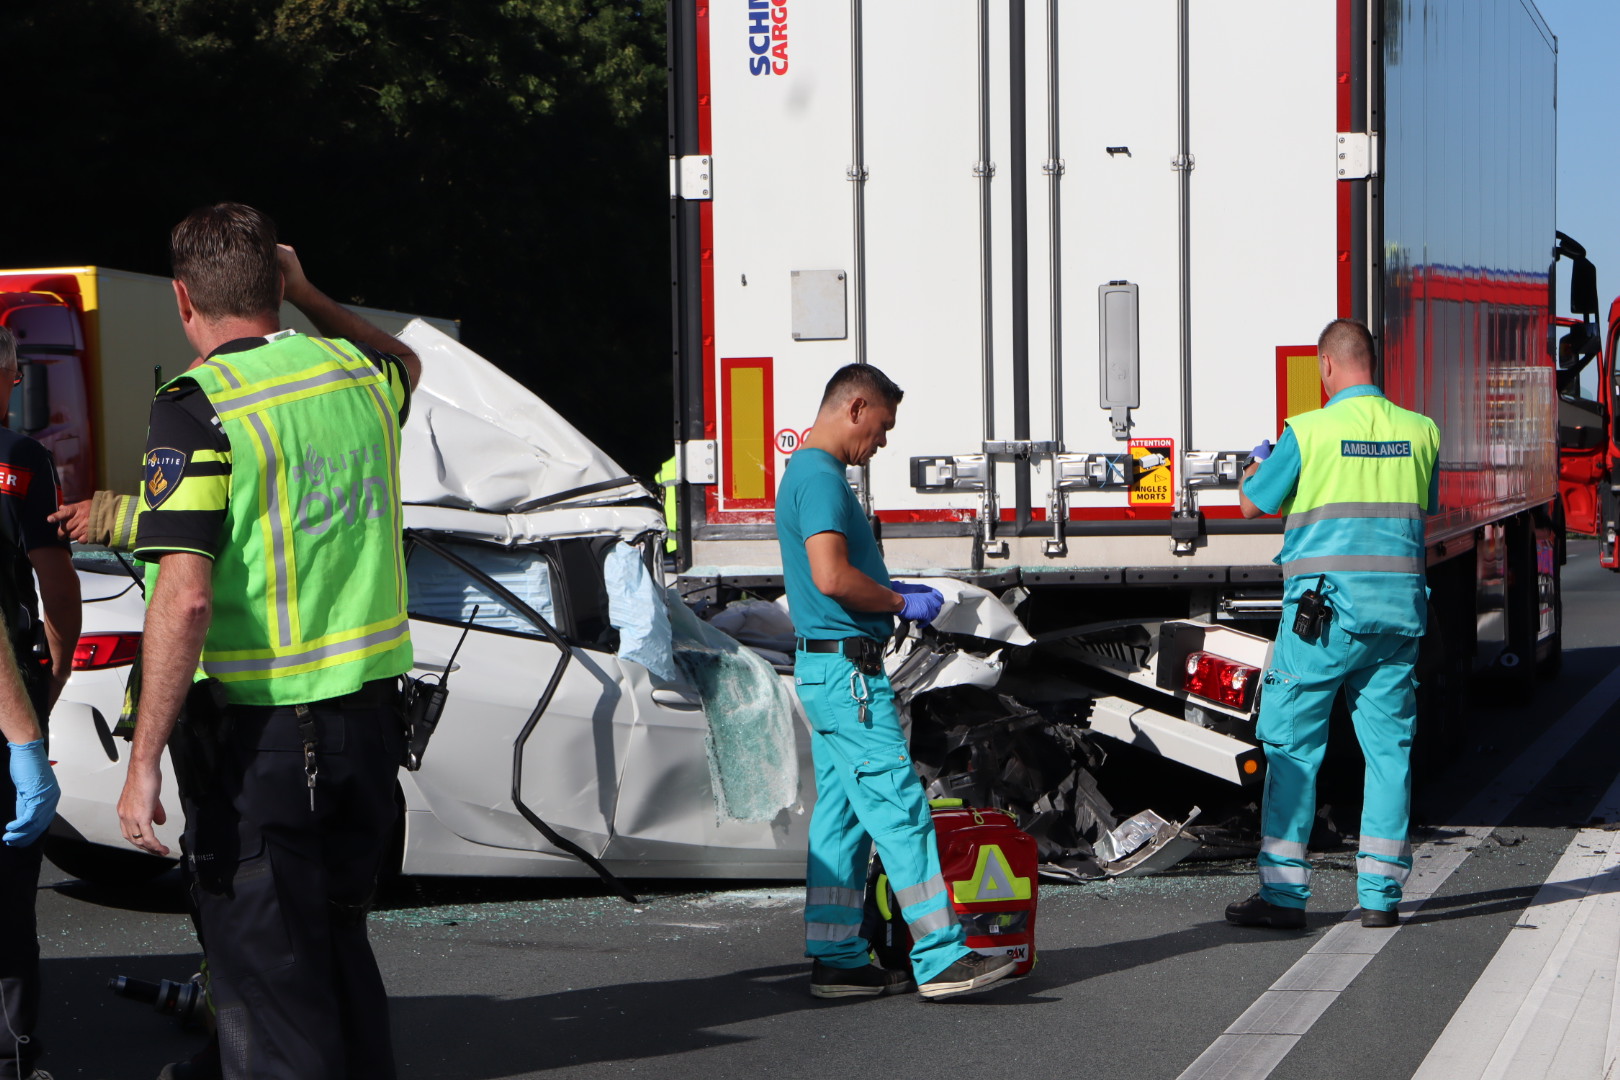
x=867, y=793
x=1375, y=672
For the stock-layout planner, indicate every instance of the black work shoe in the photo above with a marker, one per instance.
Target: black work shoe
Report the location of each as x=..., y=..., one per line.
x=1376, y=919
x=1257, y=912
x=827, y=981
x=969, y=975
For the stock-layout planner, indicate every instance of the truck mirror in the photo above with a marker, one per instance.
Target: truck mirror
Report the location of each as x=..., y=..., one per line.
x=31, y=401
x=1583, y=293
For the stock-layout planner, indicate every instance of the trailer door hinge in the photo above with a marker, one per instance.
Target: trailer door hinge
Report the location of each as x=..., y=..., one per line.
x=1357, y=155
x=691, y=177
x=699, y=461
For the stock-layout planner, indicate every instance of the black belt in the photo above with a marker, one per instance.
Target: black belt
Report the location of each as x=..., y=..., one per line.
x=866, y=653
x=837, y=644
x=377, y=692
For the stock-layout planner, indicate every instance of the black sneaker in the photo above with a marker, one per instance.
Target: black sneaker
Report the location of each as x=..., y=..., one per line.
x=1257, y=912
x=1376, y=919
x=827, y=981
x=969, y=975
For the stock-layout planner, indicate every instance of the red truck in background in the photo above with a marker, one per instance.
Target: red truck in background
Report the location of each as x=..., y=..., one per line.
x=1587, y=447
x=92, y=344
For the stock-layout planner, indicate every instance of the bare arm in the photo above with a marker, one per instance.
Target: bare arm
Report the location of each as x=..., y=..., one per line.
x=831, y=570
x=17, y=721
x=334, y=320
x=1244, y=504
x=176, y=624
x=59, y=603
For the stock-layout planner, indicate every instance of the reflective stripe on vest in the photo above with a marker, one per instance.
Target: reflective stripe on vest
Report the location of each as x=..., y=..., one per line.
x=311, y=602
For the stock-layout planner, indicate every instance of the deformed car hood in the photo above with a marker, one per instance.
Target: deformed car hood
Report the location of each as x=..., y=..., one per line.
x=485, y=457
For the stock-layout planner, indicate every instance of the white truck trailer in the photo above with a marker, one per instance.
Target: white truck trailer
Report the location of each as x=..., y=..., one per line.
x=1095, y=244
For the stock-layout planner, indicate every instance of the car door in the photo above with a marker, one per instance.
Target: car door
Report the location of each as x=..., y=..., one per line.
x=500, y=678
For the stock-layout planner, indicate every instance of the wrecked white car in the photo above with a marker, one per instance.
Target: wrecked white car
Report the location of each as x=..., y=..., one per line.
x=594, y=720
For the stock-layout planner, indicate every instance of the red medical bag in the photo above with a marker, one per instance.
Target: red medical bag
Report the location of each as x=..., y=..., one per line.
x=990, y=867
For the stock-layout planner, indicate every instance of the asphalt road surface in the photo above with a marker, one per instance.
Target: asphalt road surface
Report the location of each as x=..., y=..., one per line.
x=1504, y=965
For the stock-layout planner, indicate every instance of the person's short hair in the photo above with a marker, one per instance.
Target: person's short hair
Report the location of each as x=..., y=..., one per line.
x=225, y=255
x=863, y=379
x=1349, y=340
x=8, y=350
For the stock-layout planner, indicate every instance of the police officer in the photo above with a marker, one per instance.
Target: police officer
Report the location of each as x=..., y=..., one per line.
x=843, y=606
x=1354, y=481
x=271, y=507
x=43, y=628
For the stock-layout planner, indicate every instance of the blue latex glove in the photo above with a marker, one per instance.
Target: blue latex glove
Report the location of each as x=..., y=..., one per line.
x=1261, y=452
x=37, y=793
x=922, y=602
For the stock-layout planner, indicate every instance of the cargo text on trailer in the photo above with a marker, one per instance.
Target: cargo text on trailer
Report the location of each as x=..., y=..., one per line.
x=1201, y=188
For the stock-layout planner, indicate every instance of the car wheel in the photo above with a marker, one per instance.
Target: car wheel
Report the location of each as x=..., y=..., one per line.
x=102, y=865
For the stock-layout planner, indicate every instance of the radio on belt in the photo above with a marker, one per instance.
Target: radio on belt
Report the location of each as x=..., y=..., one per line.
x=1312, y=612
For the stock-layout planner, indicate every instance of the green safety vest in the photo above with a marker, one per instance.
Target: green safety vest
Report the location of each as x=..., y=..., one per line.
x=668, y=476
x=1358, y=510
x=309, y=586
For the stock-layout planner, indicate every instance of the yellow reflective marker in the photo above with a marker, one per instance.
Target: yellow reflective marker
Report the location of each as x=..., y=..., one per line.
x=1304, y=384
x=750, y=474
x=993, y=880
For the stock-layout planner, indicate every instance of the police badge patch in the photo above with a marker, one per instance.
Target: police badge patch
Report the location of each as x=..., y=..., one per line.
x=164, y=467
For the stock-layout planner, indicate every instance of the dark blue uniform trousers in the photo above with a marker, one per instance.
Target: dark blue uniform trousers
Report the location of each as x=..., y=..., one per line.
x=281, y=891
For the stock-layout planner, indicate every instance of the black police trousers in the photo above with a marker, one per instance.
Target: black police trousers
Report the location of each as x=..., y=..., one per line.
x=281, y=891
x=19, y=936
x=19, y=942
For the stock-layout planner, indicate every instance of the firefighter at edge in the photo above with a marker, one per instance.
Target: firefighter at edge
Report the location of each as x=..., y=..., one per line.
x=271, y=508
x=1354, y=481
x=843, y=606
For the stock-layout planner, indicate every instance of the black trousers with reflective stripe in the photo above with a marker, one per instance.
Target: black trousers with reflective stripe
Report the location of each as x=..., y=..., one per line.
x=281, y=892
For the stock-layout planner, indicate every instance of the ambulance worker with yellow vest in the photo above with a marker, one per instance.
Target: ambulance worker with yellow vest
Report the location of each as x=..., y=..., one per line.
x=271, y=507
x=1354, y=482
x=843, y=607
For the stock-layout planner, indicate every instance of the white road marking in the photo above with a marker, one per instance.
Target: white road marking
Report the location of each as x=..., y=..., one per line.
x=1256, y=1041
x=1546, y=1004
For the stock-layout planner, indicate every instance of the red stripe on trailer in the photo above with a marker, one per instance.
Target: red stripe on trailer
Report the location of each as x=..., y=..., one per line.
x=902, y=517
x=705, y=139
x=1108, y=513
x=705, y=129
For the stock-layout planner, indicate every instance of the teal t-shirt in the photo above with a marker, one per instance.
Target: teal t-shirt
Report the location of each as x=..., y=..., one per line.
x=814, y=498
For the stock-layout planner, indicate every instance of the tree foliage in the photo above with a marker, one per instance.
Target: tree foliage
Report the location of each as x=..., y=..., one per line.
x=498, y=161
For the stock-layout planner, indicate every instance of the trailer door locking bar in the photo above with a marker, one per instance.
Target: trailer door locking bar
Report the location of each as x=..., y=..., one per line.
x=1018, y=449
x=1071, y=472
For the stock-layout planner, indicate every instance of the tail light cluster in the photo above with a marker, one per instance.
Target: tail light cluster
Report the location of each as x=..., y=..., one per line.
x=1220, y=680
x=95, y=652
